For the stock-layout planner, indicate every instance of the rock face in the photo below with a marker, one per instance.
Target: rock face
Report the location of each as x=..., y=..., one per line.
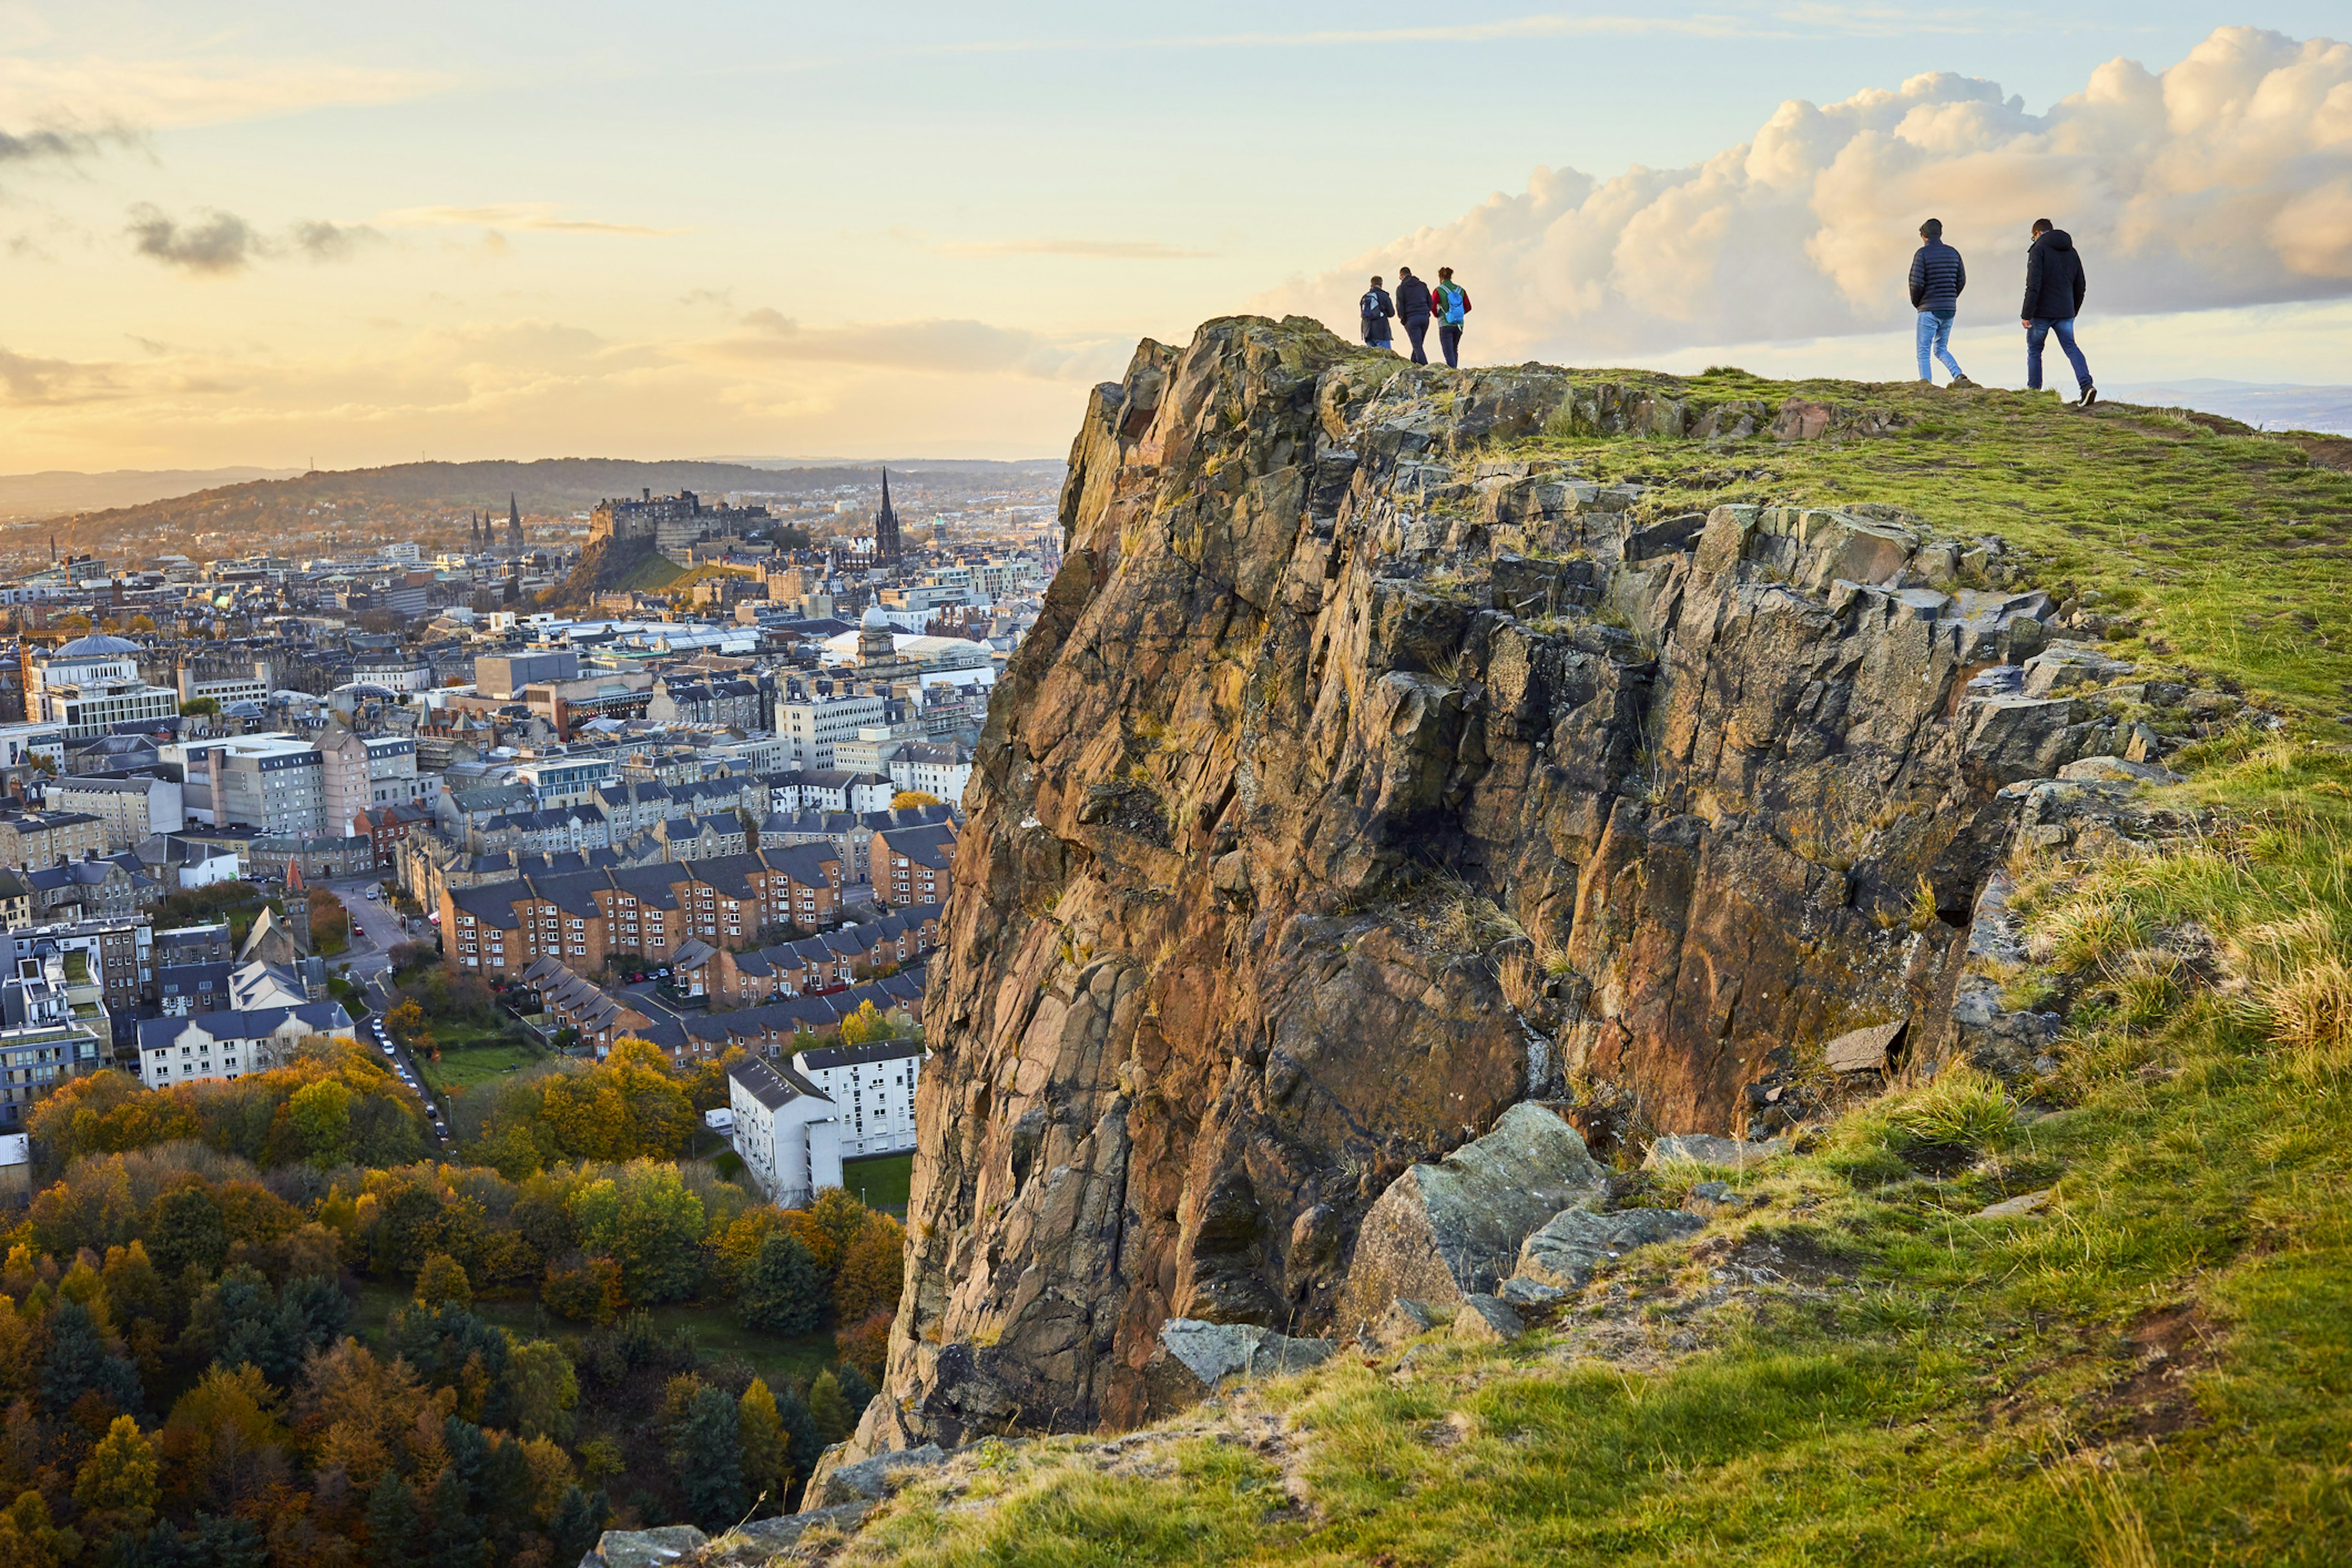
x=1342, y=726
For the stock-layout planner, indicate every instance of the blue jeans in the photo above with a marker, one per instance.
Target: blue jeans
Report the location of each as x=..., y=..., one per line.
x=1936, y=335
x=2041, y=327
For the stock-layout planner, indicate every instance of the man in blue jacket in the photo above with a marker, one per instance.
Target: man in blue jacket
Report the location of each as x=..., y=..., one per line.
x=1938, y=276
x=2053, y=298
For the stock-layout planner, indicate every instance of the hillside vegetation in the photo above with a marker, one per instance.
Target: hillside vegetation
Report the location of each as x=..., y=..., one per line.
x=2148, y=1361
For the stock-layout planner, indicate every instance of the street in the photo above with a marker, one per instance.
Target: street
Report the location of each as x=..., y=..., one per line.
x=376, y=929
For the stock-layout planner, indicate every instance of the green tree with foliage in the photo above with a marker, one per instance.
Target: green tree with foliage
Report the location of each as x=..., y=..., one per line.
x=706, y=1453
x=545, y=1388
x=829, y=1409
x=783, y=1291
x=648, y=1222
x=573, y=1528
x=320, y=1115
x=393, y=1525
x=442, y=1279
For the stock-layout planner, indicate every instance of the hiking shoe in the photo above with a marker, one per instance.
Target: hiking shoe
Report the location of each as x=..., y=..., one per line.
x=2090, y=396
x=1961, y=383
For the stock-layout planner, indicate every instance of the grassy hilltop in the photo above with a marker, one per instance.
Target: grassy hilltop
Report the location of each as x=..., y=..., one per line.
x=1853, y=1364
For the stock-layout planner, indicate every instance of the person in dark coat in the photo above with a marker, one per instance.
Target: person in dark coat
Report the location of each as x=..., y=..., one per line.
x=1376, y=310
x=1938, y=276
x=2053, y=298
x=1412, y=310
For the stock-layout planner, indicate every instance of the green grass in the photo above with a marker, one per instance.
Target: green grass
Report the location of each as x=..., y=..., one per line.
x=880, y=1181
x=2230, y=553
x=796, y=1359
x=651, y=575
x=1948, y=1389
x=471, y=1055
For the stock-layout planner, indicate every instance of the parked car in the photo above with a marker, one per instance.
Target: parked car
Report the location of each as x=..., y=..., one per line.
x=387, y=1049
x=372, y=895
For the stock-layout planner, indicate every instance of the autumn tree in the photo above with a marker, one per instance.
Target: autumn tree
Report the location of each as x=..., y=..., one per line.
x=828, y=1408
x=760, y=1437
x=442, y=1279
x=906, y=799
x=115, y=1487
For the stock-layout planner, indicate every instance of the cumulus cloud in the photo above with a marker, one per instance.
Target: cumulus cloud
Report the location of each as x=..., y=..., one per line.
x=218, y=242
x=25, y=379
x=2225, y=180
x=955, y=347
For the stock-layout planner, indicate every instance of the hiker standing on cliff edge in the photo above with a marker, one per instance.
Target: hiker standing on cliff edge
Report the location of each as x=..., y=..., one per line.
x=1376, y=309
x=1938, y=276
x=1412, y=310
x=2053, y=298
x=1453, y=303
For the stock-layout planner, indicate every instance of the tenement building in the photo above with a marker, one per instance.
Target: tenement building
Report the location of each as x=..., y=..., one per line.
x=584, y=918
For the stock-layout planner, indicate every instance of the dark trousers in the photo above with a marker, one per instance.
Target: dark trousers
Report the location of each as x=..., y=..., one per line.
x=1450, y=340
x=2036, y=334
x=1415, y=327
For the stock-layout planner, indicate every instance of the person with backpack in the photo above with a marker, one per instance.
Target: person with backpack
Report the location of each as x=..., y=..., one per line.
x=1451, y=303
x=1412, y=310
x=2055, y=286
x=1376, y=309
x=1938, y=276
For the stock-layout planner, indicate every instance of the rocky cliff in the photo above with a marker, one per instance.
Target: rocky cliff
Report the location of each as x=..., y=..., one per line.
x=1369, y=772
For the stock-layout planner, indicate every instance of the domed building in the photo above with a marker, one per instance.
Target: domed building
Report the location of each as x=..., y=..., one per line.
x=91, y=684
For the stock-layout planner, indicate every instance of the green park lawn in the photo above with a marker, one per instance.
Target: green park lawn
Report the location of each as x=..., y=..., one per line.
x=473, y=1056
x=880, y=1181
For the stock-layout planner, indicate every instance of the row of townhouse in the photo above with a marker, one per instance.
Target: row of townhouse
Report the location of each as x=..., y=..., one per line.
x=851, y=832
x=829, y=962
x=573, y=1002
x=584, y=918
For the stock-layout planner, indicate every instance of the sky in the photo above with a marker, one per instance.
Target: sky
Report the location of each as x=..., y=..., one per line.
x=279, y=233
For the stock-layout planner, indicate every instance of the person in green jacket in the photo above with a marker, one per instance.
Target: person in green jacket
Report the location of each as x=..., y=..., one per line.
x=1449, y=302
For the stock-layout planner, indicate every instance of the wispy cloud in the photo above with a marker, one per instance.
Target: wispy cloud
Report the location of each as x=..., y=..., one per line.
x=162, y=93
x=951, y=347
x=323, y=241
x=27, y=380
x=541, y=217
x=1095, y=249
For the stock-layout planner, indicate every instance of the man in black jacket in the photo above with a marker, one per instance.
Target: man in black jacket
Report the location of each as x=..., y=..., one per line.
x=1412, y=310
x=1375, y=310
x=2053, y=298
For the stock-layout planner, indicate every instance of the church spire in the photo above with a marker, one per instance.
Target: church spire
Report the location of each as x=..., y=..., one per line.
x=886, y=527
x=514, y=521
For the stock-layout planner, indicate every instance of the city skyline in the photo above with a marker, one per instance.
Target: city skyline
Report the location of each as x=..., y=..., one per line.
x=256, y=235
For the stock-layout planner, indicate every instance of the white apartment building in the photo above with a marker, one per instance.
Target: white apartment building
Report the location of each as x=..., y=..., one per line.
x=226, y=689
x=872, y=1087
x=786, y=1131
x=813, y=727
x=359, y=773
x=276, y=784
x=936, y=770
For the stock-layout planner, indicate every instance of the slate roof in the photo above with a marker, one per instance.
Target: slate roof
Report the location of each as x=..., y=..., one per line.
x=156, y=1034
x=773, y=1084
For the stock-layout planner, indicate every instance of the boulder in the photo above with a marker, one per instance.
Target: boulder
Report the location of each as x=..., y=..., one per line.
x=1528, y=1294
x=1487, y=1320
x=2017, y=1207
x=654, y=1548
x=1564, y=1253
x=1452, y=1229
x=1194, y=1360
x=1865, y=1049
x=1403, y=1321
x=2064, y=665
x=867, y=1480
x=768, y=1538
x=1705, y=1148
x=2117, y=770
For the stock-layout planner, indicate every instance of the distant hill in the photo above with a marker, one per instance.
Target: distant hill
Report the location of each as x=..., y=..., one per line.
x=407, y=493
x=57, y=491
